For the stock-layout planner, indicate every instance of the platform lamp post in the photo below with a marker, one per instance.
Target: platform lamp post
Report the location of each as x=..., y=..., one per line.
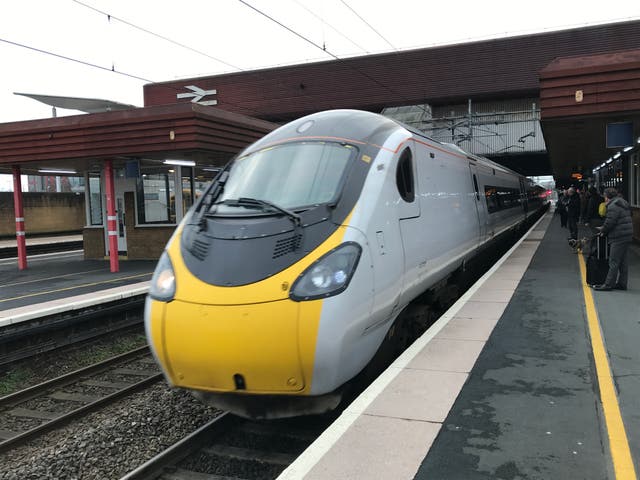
x=19, y=211
x=112, y=229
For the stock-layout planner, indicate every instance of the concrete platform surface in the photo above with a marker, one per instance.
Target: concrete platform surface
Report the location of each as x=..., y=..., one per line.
x=55, y=281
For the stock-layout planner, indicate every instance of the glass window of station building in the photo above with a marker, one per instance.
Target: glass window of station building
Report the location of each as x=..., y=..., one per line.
x=611, y=174
x=155, y=193
x=623, y=174
x=634, y=167
x=93, y=197
x=157, y=186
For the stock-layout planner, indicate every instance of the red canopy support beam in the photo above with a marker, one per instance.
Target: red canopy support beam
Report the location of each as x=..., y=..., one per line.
x=112, y=229
x=19, y=210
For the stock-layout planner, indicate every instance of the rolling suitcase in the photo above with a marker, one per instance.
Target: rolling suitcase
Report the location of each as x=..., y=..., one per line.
x=598, y=261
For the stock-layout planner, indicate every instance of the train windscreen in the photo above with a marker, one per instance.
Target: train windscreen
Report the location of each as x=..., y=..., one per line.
x=292, y=175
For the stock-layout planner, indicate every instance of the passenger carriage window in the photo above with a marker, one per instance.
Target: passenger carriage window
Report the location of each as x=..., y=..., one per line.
x=475, y=185
x=404, y=177
x=501, y=198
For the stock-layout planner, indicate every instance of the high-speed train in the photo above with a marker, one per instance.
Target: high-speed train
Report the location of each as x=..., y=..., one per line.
x=282, y=282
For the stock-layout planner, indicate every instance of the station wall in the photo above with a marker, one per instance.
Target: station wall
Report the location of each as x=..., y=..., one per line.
x=44, y=213
x=144, y=242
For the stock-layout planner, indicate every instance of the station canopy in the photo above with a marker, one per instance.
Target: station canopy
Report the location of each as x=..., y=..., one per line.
x=77, y=144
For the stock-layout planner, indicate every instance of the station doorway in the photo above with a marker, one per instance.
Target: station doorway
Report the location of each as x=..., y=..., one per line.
x=121, y=186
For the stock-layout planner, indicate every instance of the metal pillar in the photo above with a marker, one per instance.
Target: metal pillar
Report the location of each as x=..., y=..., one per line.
x=112, y=229
x=18, y=208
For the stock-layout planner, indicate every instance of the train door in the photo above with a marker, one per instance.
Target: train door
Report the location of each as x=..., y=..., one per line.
x=523, y=196
x=480, y=205
x=122, y=229
x=411, y=226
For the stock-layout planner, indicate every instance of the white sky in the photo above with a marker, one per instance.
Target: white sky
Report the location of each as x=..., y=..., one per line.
x=239, y=36
x=232, y=32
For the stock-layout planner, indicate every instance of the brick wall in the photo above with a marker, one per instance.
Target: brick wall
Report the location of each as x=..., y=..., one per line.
x=146, y=242
x=43, y=213
x=93, y=243
x=143, y=243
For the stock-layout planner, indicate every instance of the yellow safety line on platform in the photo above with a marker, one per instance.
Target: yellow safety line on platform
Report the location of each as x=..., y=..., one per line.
x=75, y=287
x=618, y=442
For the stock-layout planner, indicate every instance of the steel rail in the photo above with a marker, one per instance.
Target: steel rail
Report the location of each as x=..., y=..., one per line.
x=68, y=378
x=40, y=389
x=183, y=448
x=211, y=440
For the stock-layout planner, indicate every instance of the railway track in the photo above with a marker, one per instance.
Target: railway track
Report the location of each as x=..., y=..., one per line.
x=39, y=249
x=51, y=404
x=38, y=335
x=233, y=448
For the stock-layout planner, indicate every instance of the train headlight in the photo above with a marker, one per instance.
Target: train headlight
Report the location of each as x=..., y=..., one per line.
x=163, y=282
x=329, y=275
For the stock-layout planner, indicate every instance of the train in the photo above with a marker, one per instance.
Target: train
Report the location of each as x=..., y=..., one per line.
x=293, y=268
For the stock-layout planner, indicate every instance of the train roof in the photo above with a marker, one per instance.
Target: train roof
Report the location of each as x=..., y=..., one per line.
x=456, y=149
x=362, y=123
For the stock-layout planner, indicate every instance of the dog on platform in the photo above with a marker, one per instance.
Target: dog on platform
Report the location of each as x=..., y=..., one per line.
x=578, y=245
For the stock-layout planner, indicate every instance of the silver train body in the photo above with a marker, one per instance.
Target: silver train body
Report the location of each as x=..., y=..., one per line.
x=282, y=283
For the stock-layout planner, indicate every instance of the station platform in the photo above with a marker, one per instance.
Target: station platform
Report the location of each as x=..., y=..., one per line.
x=65, y=281
x=41, y=244
x=530, y=375
x=41, y=240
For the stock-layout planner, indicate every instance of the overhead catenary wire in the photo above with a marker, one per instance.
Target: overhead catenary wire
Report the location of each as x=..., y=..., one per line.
x=163, y=37
x=332, y=27
x=364, y=74
x=106, y=69
x=71, y=59
x=368, y=24
x=111, y=69
x=299, y=35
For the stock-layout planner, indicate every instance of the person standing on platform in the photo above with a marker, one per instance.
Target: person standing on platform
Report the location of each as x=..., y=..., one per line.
x=573, y=212
x=592, y=217
x=582, y=194
x=619, y=231
x=562, y=208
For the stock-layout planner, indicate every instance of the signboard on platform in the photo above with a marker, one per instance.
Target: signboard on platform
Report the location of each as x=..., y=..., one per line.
x=619, y=134
x=132, y=169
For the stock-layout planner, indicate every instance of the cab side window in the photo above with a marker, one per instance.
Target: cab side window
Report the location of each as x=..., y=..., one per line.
x=404, y=176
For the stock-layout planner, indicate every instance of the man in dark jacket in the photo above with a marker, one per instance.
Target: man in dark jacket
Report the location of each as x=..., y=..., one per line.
x=619, y=231
x=592, y=217
x=561, y=205
x=573, y=212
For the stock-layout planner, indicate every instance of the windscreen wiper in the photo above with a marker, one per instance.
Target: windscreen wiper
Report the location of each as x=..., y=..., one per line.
x=264, y=204
x=213, y=191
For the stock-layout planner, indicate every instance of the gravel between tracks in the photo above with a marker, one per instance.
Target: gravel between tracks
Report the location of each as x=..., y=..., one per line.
x=108, y=444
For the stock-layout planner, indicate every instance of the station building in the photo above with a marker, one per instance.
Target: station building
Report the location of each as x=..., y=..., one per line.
x=565, y=103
